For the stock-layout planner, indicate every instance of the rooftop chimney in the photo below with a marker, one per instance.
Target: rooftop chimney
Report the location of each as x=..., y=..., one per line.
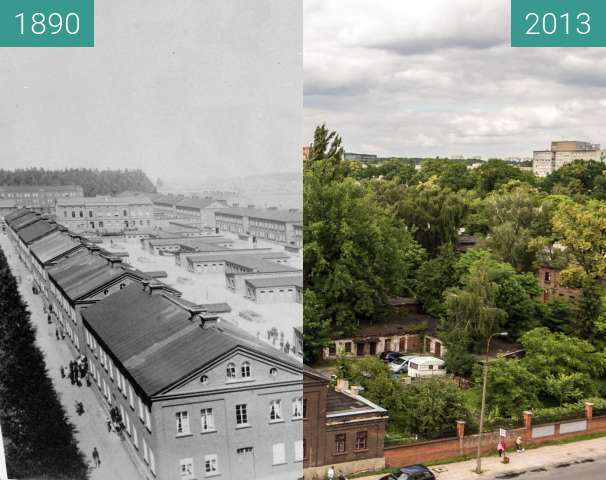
x=208, y=320
x=145, y=284
x=195, y=310
x=155, y=288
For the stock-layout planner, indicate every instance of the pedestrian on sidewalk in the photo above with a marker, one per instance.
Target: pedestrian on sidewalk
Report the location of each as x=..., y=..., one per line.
x=109, y=424
x=519, y=445
x=330, y=474
x=96, y=458
x=48, y=318
x=501, y=448
x=57, y=333
x=62, y=370
x=79, y=408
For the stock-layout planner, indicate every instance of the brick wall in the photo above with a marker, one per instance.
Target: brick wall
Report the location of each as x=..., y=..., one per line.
x=442, y=449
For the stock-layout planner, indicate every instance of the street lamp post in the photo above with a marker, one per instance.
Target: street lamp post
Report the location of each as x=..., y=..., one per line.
x=479, y=459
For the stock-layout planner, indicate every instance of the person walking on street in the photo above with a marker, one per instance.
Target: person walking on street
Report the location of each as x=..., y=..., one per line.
x=519, y=445
x=109, y=424
x=96, y=458
x=62, y=370
x=57, y=333
x=341, y=475
x=330, y=474
x=500, y=448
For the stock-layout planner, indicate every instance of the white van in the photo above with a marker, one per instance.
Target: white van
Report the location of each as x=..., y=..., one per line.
x=426, y=367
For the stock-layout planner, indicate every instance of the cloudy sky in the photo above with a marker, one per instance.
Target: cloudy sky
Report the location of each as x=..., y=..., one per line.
x=438, y=77
x=194, y=88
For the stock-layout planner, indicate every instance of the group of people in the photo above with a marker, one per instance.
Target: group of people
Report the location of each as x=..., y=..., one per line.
x=502, y=447
x=77, y=369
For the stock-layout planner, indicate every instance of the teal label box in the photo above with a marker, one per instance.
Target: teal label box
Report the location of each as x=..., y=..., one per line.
x=47, y=23
x=558, y=23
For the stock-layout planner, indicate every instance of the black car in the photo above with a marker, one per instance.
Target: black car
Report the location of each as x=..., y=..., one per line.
x=411, y=472
x=389, y=356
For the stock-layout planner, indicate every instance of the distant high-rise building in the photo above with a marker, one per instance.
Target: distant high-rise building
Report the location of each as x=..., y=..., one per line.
x=545, y=162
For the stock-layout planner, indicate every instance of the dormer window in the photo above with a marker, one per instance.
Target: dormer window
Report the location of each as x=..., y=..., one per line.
x=231, y=371
x=204, y=379
x=273, y=371
x=245, y=370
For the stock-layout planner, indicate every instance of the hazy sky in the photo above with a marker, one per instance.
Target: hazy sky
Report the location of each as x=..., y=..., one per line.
x=181, y=89
x=437, y=77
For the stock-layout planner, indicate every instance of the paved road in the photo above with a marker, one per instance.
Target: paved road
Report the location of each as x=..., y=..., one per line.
x=595, y=470
x=91, y=428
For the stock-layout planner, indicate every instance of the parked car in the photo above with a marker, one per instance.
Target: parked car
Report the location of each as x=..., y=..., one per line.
x=426, y=367
x=388, y=356
x=411, y=472
x=400, y=364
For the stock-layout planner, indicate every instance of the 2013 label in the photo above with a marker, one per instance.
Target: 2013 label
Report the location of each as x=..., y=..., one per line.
x=548, y=23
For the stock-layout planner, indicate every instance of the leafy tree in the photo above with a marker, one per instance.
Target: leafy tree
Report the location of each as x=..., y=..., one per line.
x=433, y=278
x=582, y=228
x=355, y=252
x=39, y=439
x=316, y=331
x=493, y=174
x=433, y=214
x=517, y=217
x=450, y=174
x=580, y=177
x=511, y=387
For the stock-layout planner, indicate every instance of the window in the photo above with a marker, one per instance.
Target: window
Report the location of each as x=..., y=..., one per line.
x=298, y=450
x=90, y=213
x=245, y=370
x=275, y=410
x=125, y=213
x=362, y=440
x=231, y=371
x=297, y=408
x=332, y=349
x=305, y=408
x=204, y=380
x=547, y=277
x=387, y=345
x=241, y=414
x=81, y=214
x=273, y=371
x=347, y=347
x=187, y=468
x=207, y=420
x=279, y=457
x=210, y=464
x=339, y=443
x=182, y=419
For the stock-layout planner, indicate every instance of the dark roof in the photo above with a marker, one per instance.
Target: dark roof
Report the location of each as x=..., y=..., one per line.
x=276, y=281
x=23, y=221
x=36, y=230
x=396, y=325
x=157, y=274
x=85, y=271
x=156, y=340
x=339, y=402
x=52, y=246
x=221, y=307
x=16, y=214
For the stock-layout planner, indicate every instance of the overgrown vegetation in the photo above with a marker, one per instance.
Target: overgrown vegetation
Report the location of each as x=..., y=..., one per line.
x=389, y=228
x=38, y=437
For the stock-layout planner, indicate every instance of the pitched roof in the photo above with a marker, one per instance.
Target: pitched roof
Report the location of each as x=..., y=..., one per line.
x=234, y=254
x=192, y=242
x=52, y=246
x=287, y=216
x=195, y=203
x=282, y=281
x=16, y=214
x=260, y=265
x=23, y=221
x=104, y=200
x=85, y=271
x=36, y=230
x=156, y=340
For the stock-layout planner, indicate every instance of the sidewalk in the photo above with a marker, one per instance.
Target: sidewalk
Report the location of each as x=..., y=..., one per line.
x=528, y=460
x=91, y=428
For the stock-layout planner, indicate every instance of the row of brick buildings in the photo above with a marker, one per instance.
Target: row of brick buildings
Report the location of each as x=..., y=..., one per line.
x=193, y=393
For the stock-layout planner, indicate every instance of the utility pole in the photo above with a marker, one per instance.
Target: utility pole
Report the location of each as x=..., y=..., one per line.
x=479, y=458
